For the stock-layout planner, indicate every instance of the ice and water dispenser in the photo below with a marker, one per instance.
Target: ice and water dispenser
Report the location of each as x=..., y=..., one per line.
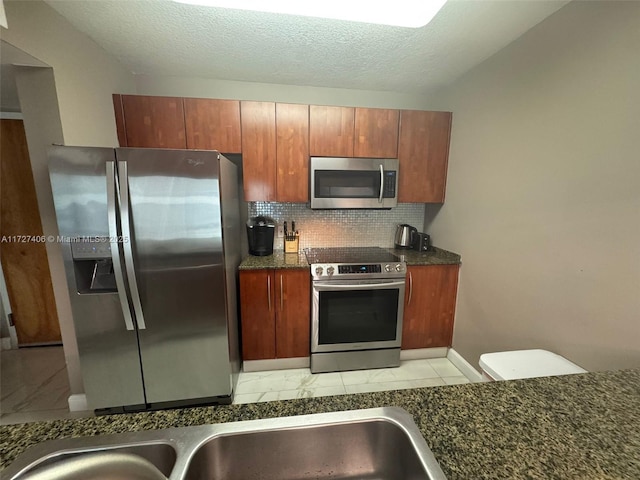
x=93, y=266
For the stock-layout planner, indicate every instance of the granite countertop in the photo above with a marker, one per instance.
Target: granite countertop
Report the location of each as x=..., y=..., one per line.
x=570, y=427
x=437, y=256
x=277, y=260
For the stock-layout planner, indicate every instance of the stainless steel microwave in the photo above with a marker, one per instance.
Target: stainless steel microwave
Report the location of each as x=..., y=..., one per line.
x=353, y=182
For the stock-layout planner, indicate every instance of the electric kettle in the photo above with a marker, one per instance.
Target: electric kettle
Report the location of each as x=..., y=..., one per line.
x=404, y=236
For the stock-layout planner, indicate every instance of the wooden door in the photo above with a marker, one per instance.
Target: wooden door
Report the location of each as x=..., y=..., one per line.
x=376, y=133
x=213, y=124
x=293, y=318
x=423, y=152
x=25, y=263
x=151, y=122
x=257, y=314
x=259, y=151
x=292, y=151
x=331, y=131
x=430, y=302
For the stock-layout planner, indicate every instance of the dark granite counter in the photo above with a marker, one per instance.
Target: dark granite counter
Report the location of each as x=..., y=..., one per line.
x=437, y=256
x=277, y=260
x=292, y=260
x=572, y=427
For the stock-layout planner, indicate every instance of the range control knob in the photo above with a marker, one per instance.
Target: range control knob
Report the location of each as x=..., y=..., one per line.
x=319, y=271
x=330, y=270
x=399, y=267
x=388, y=268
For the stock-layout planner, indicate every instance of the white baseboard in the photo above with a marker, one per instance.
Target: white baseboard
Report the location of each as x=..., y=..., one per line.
x=6, y=343
x=420, y=353
x=78, y=402
x=465, y=367
x=275, y=364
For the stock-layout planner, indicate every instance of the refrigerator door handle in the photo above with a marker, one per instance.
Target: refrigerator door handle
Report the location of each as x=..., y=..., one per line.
x=113, y=239
x=126, y=244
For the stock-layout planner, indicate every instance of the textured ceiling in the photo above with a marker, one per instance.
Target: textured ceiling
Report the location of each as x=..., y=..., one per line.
x=160, y=37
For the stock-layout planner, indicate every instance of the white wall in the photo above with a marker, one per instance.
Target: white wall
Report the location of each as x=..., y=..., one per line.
x=268, y=92
x=543, y=194
x=71, y=104
x=85, y=74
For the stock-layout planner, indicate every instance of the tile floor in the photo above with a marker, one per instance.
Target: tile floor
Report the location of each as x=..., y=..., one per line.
x=256, y=387
x=34, y=384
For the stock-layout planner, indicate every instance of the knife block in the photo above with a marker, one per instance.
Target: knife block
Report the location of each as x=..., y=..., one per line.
x=291, y=243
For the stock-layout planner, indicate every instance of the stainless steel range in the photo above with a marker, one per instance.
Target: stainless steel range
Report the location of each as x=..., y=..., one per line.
x=357, y=307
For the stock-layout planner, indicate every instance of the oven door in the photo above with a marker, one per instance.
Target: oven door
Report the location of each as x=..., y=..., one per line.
x=356, y=315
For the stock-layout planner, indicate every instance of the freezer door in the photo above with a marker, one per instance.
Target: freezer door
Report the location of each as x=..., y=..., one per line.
x=108, y=351
x=176, y=240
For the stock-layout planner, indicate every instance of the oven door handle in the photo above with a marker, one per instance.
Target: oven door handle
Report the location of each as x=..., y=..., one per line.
x=356, y=286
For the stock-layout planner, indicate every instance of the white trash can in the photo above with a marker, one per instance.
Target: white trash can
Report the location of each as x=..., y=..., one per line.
x=525, y=364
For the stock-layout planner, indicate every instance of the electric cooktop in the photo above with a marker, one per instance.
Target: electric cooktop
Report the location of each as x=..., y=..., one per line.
x=349, y=255
x=354, y=263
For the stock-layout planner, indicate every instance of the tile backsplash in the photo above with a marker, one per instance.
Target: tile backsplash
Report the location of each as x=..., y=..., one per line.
x=340, y=228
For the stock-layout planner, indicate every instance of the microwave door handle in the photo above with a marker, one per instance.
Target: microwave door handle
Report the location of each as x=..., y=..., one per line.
x=381, y=183
x=113, y=236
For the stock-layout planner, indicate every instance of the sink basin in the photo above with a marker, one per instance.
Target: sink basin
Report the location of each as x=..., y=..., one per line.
x=58, y=459
x=380, y=443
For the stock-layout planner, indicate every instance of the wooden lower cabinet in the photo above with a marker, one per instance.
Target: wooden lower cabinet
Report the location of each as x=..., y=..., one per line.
x=275, y=313
x=429, y=306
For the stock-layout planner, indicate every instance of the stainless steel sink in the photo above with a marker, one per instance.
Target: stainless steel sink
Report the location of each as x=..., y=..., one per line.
x=381, y=443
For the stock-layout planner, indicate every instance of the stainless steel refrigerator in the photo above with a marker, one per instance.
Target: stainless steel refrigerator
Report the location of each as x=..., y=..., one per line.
x=151, y=245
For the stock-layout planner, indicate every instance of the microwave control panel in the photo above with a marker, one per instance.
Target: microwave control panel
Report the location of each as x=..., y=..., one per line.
x=389, y=184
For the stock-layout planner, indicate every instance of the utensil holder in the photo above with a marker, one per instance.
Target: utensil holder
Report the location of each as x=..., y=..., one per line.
x=291, y=243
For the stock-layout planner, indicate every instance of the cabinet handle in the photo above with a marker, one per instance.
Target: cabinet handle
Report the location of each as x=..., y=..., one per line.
x=269, y=290
x=281, y=295
x=410, y=288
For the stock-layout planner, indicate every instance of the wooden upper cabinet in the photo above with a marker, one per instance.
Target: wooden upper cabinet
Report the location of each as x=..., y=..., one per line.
x=331, y=131
x=423, y=152
x=258, y=121
x=292, y=152
x=429, y=309
x=151, y=122
x=376, y=133
x=213, y=124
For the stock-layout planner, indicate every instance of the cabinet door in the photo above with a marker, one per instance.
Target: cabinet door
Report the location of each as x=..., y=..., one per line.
x=259, y=150
x=292, y=149
x=376, y=133
x=423, y=151
x=257, y=314
x=429, y=310
x=213, y=124
x=293, y=318
x=331, y=131
x=153, y=122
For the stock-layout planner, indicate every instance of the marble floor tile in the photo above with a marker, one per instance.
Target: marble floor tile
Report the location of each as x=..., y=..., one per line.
x=397, y=385
x=455, y=380
x=29, y=366
x=444, y=367
x=34, y=379
x=408, y=370
x=279, y=380
x=288, y=394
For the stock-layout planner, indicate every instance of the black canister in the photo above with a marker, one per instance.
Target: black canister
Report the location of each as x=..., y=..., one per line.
x=260, y=232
